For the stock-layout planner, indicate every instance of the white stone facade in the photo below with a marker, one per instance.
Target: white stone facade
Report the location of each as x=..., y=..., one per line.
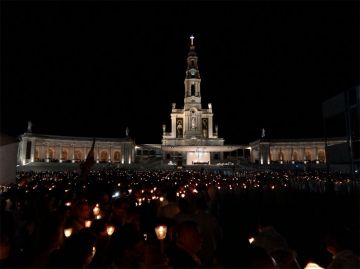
x=47, y=148
x=266, y=151
x=192, y=135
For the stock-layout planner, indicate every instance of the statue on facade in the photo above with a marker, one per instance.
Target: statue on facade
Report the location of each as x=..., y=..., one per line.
x=29, y=127
x=193, y=123
x=179, y=128
x=262, y=133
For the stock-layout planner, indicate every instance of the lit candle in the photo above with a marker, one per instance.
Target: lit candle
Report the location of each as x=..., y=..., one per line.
x=251, y=239
x=110, y=230
x=87, y=223
x=161, y=231
x=96, y=210
x=68, y=232
x=312, y=265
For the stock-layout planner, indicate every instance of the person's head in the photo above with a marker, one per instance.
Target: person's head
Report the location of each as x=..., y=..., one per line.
x=120, y=206
x=258, y=258
x=81, y=210
x=184, y=205
x=337, y=239
x=79, y=249
x=188, y=236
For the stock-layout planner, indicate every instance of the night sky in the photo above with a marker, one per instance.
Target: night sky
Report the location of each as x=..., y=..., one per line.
x=93, y=68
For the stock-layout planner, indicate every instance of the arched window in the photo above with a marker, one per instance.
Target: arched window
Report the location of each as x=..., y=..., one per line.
x=51, y=154
x=321, y=156
x=36, y=157
x=77, y=155
x=295, y=156
x=117, y=156
x=64, y=155
x=103, y=156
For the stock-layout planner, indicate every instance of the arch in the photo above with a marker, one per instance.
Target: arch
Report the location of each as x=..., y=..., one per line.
x=307, y=155
x=295, y=156
x=117, y=156
x=36, y=155
x=321, y=156
x=281, y=156
x=51, y=153
x=104, y=156
x=64, y=155
x=77, y=155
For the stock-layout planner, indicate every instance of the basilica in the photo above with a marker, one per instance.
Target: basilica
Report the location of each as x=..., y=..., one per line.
x=191, y=139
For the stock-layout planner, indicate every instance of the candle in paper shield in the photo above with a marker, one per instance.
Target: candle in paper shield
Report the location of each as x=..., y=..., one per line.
x=161, y=231
x=96, y=210
x=68, y=232
x=87, y=223
x=312, y=265
x=110, y=230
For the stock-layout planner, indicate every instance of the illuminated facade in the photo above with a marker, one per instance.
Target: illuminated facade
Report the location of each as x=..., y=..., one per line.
x=193, y=137
x=192, y=140
x=47, y=148
x=267, y=151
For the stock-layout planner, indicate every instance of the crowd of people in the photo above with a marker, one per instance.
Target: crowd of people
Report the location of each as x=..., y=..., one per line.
x=212, y=219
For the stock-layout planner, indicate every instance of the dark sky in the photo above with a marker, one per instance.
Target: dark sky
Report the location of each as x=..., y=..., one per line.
x=93, y=68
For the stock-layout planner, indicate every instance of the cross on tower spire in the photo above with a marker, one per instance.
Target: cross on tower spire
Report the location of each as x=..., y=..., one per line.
x=192, y=40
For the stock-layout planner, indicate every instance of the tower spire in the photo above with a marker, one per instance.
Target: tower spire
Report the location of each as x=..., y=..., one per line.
x=192, y=79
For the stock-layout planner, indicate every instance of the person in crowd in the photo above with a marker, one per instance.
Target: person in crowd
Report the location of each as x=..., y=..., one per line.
x=77, y=251
x=184, y=254
x=185, y=212
x=268, y=237
x=210, y=231
x=170, y=208
x=127, y=248
x=257, y=257
x=338, y=242
x=79, y=213
x=119, y=211
x=48, y=237
x=275, y=244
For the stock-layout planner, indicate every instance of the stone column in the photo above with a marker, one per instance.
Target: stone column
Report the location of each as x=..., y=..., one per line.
x=210, y=127
x=303, y=153
x=47, y=151
x=73, y=152
x=61, y=150
x=58, y=151
x=132, y=153
x=32, y=150
x=109, y=153
x=173, y=126
x=122, y=153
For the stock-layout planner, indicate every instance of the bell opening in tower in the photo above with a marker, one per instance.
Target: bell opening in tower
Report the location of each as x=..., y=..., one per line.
x=192, y=89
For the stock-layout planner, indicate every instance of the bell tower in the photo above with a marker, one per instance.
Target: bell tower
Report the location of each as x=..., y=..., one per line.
x=191, y=137
x=192, y=80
